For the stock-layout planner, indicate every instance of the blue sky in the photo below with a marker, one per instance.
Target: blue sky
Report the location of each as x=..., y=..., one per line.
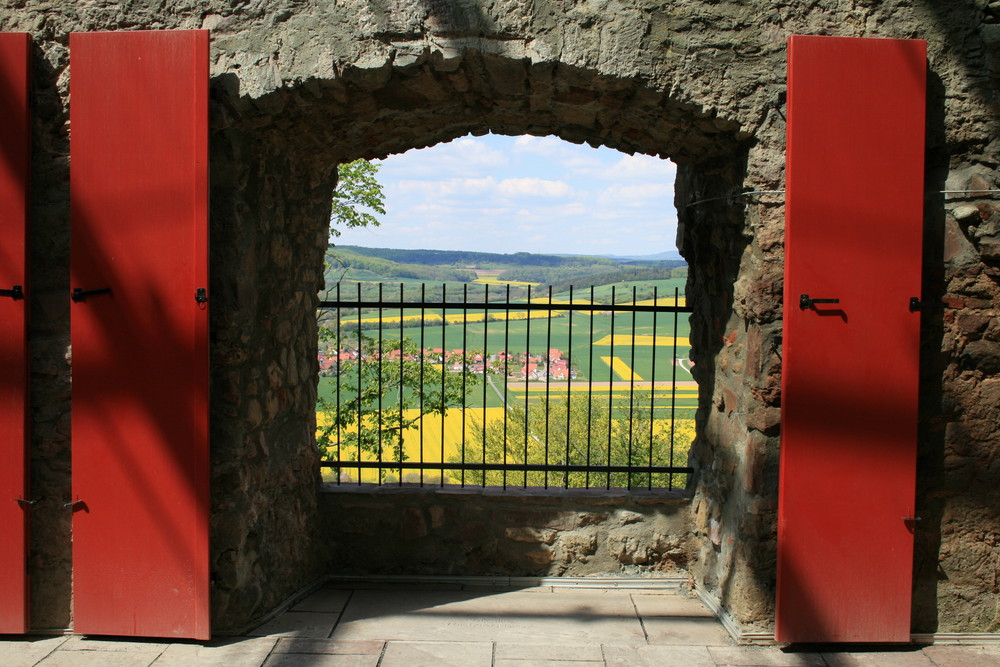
x=532, y=194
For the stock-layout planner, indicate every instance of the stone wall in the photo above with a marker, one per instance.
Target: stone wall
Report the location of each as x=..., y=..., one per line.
x=469, y=532
x=298, y=86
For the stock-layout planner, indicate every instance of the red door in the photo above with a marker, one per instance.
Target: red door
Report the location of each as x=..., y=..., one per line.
x=139, y=207
x=854, y=212
x=15, y=150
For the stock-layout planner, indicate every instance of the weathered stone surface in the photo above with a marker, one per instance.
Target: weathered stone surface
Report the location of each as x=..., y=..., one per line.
x=532, y=535
x=299, y=86
x=515, y=535
x=983, y=356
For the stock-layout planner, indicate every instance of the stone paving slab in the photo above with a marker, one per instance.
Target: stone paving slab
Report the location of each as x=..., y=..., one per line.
x=437, y=654
x=98, y=659
x=326, y=599
x=672, y=606
x=242, y=651
x=679, y=619
x=580, y=652
x=330, y=646
x=309, y=660
x=27, y=652
x=657, y=656
x=313, y=624
x=512, y=617
x=901, y=658
x=964, y=656
x=115, y=645
x=80, y=651
x=762, y=656
x=686, y=631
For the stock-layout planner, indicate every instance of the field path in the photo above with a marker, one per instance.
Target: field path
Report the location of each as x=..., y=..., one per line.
x=585, y=385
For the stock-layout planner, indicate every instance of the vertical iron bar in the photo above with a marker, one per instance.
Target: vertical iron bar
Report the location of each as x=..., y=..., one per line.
x=590, y=387
x=444, y=369
x=337, y=416
x=399, y=393
x=420, y=392
x=486, y=370
x=652, y=388
x=465, y=364
x=506, y=373
x=569, y=385
x=527, y=374
x=360, y=429
x=673, y=392
x=631, y=389
x=548, y=381
x=611, y=384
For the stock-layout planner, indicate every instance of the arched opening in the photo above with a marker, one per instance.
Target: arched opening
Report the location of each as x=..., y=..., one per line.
x=475, y=231
x=274, y=169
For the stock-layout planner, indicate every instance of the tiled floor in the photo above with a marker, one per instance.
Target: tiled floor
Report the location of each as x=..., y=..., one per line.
x=407, y=626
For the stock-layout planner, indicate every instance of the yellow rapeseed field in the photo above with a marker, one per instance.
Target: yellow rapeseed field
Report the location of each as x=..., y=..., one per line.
x=456, y=318
x=425, y=444
x=523, y=315
x=629, y=340
x=620, y=367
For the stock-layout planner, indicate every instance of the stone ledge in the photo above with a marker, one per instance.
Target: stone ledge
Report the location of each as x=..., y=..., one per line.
x=641, y=496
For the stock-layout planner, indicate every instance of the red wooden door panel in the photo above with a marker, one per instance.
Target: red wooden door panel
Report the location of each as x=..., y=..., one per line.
x=15, y=150
x=139, y=206
x=854, y=212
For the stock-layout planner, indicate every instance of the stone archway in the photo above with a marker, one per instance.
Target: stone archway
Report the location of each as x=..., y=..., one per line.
x=278, y=168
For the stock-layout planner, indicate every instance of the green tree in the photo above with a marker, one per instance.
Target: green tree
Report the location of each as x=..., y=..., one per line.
x=357, y=195
x=356, y=199
x=384, y=392
x=580, y=430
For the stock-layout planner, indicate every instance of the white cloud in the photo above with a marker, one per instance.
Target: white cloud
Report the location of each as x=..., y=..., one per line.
x=466, y=155
x=474, y=152
x=644, y=167
x=431, y=208
x=584, y=165
x=641, y=194
x=534, y=187
x=539, y=145
x=443, y=188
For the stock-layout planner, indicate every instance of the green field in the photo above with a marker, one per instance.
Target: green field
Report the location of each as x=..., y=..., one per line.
x=597, y=344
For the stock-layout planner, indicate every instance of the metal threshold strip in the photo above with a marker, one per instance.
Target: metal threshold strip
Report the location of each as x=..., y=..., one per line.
x=621, y=583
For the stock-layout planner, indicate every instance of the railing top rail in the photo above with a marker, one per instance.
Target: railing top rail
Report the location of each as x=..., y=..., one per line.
x=508, y=305
x=509, y=467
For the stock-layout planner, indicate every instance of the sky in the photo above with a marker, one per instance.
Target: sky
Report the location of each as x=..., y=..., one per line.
x=524, y=194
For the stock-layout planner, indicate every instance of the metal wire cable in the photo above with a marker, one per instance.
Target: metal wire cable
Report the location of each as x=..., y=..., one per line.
x=781, y=192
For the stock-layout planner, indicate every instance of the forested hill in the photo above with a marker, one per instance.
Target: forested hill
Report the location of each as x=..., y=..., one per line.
x=344, y=261
x=360, y=264
x=471, y=258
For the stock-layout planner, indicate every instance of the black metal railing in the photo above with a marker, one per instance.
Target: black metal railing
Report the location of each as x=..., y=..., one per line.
x=487, y=401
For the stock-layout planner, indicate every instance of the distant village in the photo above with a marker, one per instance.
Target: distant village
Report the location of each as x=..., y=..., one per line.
x=523, y=365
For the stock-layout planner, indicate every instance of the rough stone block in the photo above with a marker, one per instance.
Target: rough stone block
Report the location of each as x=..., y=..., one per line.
x=531, y=535
x=413, y=525
x=983, y=356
